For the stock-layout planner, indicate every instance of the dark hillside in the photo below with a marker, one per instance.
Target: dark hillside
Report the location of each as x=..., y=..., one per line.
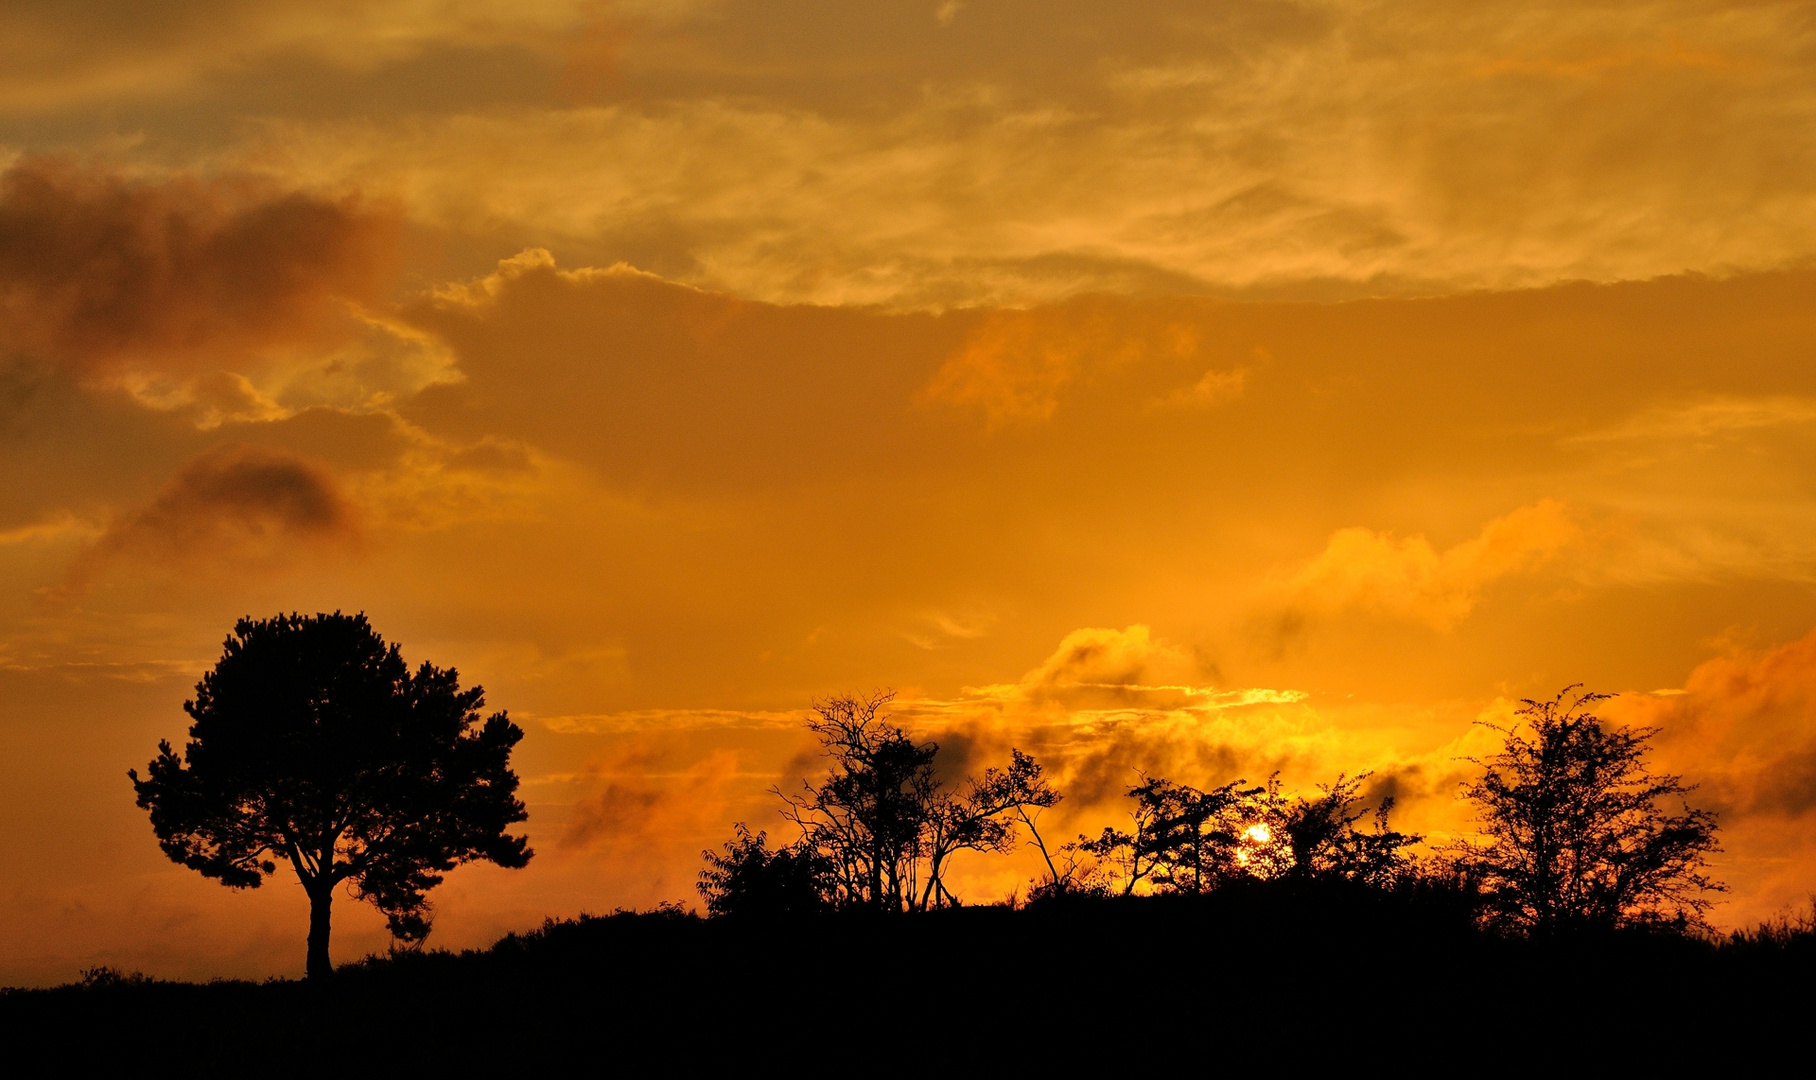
x=1252, y=973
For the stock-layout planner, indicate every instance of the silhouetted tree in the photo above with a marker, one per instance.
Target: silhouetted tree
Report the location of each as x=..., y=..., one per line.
x=1183, y=839
x=1572, y=833
x=1318, y=838
x=982, y=818
x=883, y=821
x=748, y=878
x=869, y=814
x=1071, y=871
x=313, y=742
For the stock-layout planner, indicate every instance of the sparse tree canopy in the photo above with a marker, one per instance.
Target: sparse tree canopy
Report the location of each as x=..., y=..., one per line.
x=1183, y=840
x=313, y=742
x=879, y=831
x=1318, y=838
x=1573, y=836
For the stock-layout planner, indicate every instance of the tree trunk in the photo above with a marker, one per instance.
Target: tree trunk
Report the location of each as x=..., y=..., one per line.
x=319, y=901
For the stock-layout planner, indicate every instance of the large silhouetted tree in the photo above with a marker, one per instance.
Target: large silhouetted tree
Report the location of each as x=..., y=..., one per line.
x=1573, y=835
x=313, y=742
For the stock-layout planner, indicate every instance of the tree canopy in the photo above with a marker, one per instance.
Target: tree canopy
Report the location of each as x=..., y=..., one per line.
x=314, y=743
x=879, y=830
x=1573, y=833
x=1184, y=840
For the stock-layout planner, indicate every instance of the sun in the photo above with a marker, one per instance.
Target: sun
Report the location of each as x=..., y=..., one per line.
x=1256, y=839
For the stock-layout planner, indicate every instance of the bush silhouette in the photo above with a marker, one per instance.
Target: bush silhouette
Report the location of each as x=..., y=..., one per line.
x=750, y=878
x=314, y=743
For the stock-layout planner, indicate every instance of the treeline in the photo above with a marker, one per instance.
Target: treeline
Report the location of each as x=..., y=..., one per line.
x=1575, y=832
x=314, y=746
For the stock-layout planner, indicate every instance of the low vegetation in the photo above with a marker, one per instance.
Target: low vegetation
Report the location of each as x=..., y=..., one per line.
x=1578, y=836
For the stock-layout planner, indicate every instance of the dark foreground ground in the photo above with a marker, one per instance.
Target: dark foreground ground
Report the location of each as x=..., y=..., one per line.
x=1243, y=979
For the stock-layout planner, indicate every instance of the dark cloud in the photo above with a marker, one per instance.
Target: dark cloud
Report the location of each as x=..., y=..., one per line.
x=231, y=501
x=613, y=811
x=98, y=270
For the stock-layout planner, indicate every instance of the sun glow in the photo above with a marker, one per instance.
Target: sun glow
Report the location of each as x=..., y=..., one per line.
x=1257, y=840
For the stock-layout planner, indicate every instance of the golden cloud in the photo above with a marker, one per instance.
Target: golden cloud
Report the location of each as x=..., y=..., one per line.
x=1361, y=569
x=1312, y=151
x=1743, y=729
x=1743, y=725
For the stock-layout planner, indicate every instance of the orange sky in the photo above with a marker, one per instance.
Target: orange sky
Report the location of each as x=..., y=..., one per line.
x=1204, y=390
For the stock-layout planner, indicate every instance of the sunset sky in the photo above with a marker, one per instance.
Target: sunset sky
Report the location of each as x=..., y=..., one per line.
x=1209, y=389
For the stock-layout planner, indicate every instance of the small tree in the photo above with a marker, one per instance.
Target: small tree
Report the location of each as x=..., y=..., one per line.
x=1318, y=837
x=983, y=819
x=313, y=742
x=1183, y=839
x=1572, y=833
x=870, y=814
x=884, y=825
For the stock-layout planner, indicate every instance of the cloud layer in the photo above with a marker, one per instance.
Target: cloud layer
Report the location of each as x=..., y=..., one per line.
x=102, y=273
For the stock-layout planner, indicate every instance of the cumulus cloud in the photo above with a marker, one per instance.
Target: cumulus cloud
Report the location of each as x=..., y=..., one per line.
x=1407, y=578
x=100, y=271
x=1743, y=729
x=1108, y=704
x=1106, y=665
x=1743, y=724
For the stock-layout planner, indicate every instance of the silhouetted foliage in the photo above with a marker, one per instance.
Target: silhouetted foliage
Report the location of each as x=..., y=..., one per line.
x=870, y=814
x=1318, y=838
x=313, y=742
x=1183, y=840
x=982, y=818
x=749, y=878
x=880, y=830
x=1573, y=836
